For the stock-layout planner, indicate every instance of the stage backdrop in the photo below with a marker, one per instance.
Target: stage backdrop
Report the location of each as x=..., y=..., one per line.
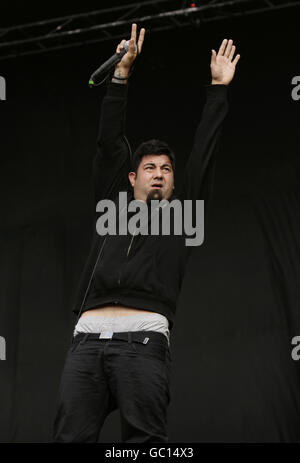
x=233, y=377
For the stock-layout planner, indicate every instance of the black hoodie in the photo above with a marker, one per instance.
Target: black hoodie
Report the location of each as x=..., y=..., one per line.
x=143, y=271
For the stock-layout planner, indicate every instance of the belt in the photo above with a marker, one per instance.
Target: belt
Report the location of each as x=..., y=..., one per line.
x=142, y=337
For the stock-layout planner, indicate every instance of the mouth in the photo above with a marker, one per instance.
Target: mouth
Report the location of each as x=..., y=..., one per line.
x=156, y=186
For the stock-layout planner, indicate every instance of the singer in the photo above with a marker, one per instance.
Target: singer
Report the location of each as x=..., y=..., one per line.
x=120, y=356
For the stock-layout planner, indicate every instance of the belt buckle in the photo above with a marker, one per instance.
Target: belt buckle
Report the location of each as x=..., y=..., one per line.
x=145, y=340
x=106, y=335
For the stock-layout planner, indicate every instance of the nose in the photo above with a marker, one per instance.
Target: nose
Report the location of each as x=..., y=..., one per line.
x=158, y=174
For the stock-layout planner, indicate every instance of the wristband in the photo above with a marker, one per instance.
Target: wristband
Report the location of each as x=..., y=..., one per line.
x=120, y=78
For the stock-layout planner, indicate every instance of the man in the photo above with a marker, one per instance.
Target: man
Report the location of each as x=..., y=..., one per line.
x=120, y=355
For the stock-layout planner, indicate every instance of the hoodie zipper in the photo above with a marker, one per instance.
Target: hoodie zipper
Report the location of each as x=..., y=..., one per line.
x=128, y=251
x=100, y=252
x=127, y=254
x=129, y=247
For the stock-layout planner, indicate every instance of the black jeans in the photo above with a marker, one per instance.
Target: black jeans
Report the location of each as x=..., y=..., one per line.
x=129, y=372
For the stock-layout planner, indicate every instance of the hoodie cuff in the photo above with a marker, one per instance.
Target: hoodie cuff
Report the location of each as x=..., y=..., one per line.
x=117, y=90
x=216, y=91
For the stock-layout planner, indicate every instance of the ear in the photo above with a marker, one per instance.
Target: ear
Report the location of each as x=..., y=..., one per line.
x=132, y=177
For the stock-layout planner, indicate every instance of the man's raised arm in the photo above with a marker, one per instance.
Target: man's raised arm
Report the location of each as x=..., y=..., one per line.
x=112, y=160
x=199, y=169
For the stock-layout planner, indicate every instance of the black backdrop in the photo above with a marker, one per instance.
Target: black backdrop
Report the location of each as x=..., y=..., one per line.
x=233, y=379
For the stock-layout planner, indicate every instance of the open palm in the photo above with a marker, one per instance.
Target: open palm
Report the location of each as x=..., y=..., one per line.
x=222, y=64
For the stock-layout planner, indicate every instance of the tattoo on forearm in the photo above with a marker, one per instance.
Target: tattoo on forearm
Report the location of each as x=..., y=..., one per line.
x=118, y=73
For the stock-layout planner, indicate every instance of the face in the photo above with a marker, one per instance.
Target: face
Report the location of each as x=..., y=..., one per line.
x=154, y=178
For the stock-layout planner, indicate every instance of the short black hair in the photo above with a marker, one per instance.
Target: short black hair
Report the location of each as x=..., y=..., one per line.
x=153, y=146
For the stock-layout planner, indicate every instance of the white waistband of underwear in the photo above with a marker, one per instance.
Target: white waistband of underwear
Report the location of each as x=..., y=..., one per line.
x=133, y=322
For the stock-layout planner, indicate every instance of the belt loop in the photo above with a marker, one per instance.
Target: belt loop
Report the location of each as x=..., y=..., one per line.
x=129, y=337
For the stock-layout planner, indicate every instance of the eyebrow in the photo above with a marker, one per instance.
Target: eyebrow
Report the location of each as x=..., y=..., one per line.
x=153, y=164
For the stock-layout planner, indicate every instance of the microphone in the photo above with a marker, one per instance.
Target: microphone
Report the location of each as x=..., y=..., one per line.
x=106, y=67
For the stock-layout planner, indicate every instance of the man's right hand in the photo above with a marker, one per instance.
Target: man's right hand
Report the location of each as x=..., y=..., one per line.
x=122, y=68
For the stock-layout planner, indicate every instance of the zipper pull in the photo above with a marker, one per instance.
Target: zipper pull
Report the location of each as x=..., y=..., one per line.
x=129, y=247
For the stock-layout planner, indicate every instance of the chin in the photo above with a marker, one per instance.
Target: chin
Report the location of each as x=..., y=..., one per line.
x=154, y=194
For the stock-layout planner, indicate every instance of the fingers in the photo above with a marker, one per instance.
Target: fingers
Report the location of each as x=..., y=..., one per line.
x=213, y=57
x=141, y=39
x=133, y=32
x=131, y=49
x=132, y=41
x=236, y=59
x=222, y=47
x=120, y=46
x=228, y=48
x=231, y=52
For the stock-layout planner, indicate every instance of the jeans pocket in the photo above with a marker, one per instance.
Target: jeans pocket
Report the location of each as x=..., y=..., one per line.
x=154, y=349
x=75, y=344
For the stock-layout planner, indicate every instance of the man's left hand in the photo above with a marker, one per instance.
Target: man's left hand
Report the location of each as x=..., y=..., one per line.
x=223, y=65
